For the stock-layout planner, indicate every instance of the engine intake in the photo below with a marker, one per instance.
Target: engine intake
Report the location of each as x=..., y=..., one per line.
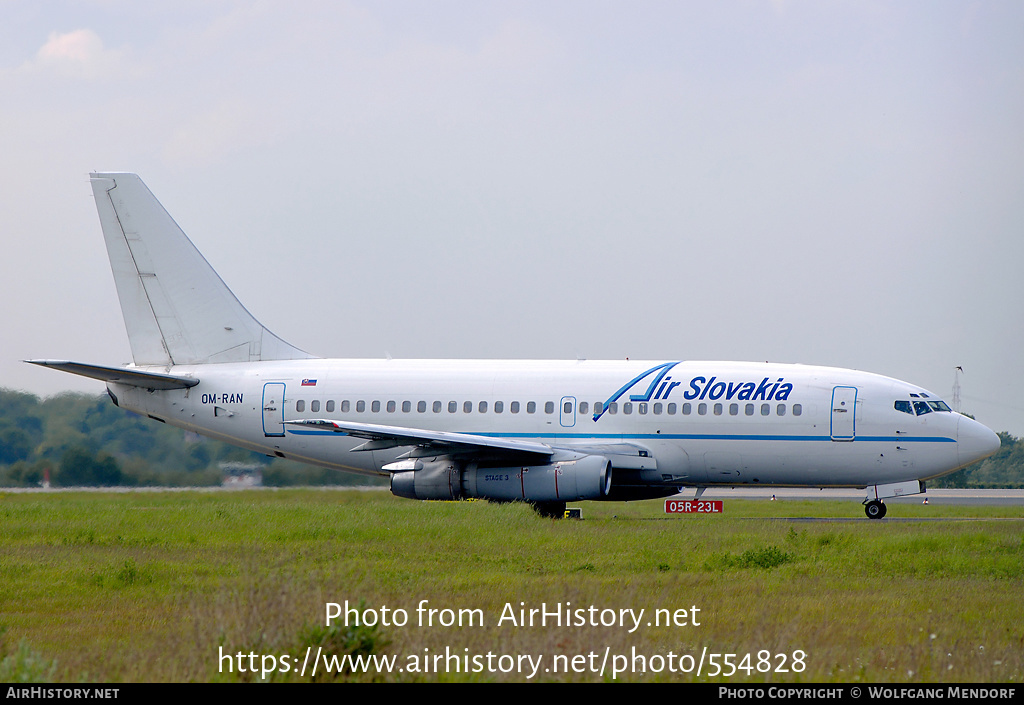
x=440, y=479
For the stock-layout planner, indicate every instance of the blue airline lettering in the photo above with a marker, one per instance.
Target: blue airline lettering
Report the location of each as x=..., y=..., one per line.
x=703, y=388
x=662, y=371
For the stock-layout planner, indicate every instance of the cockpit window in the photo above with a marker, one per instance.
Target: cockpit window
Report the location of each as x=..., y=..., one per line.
x=920, y=407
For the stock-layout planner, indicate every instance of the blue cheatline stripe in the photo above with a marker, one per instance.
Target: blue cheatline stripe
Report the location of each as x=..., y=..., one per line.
x=677, y=437
x=910, y=439
x=722, y=437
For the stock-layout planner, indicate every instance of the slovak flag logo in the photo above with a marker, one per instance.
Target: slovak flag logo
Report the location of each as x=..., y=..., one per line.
x=309, y=383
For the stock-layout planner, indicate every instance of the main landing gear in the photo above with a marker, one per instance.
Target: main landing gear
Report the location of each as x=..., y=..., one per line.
x=550, y=510
x=875, y=509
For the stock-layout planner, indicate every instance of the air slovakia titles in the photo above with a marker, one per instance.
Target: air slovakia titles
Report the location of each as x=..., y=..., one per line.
x=702, y=388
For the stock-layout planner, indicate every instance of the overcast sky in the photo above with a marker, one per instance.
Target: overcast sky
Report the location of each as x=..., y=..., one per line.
x=837, y=183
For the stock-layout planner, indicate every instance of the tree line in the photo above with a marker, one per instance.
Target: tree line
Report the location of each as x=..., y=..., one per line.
x=81, y=440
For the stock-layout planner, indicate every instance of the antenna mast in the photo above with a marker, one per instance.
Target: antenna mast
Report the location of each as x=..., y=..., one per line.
x=956, y=388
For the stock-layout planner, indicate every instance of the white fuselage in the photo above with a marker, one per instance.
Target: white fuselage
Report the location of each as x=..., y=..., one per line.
x=705, y=423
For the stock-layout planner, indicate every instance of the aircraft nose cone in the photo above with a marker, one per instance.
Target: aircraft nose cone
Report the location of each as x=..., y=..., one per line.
x=975, y=441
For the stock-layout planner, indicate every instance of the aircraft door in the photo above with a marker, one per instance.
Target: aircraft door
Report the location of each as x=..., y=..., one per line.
x=567, y=412
x=273, y=409
x=844, y=413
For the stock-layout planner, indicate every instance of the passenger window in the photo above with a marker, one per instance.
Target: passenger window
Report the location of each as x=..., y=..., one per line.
x=781, y=409
x=798, y=409
x=702, y=409
x=421, y=407
x=567, y=407
x=627, y=407
x=314, y=405
x=453, y=406
x=514, y=407
x=598, y=407
x=922, y=408
x=642, y=407
x=658, y=407
x=549, y=407
x=437, y=407
x=391, y=407
x=531, y=407
x=406, y=407
x=467, y=407
x=904, y=406
x=482, y=407
x=613, y=408
x=686, y=409
x=671, y=408
x=360, y=406
x=734, y=410
x=584, y=406
x=300, y=405
x=748, y=410
x=766, y=409
x=330, y=406
x=718, y=409
x=499, y=407
x=375, y=406
x=345, y=406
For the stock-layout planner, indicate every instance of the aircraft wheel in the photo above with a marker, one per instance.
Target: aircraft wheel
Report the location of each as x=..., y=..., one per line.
x=874, y=509
x=550, y=510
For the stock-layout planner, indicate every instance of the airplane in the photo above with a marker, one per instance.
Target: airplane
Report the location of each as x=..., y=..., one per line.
x=537, y=431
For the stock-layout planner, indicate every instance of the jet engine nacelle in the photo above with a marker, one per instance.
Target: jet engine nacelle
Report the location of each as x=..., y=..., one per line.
x=580, y=478
x=438, y=479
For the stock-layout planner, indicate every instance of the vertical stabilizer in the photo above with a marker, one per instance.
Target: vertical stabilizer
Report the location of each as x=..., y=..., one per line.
x=176, y=308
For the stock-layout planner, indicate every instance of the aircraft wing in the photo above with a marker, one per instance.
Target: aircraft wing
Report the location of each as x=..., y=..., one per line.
x=424, y=442
x=625, y=456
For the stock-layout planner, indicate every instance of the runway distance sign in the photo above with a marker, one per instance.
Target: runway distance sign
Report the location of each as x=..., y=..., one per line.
x=693, y=506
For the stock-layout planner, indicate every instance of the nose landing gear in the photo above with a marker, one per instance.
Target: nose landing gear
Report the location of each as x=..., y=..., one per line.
x=873, y=505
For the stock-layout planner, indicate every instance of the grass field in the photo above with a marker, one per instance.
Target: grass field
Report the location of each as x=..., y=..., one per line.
x=156, y=586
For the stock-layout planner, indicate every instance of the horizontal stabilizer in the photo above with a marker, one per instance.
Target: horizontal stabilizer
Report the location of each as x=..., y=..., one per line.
x=120, y=375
